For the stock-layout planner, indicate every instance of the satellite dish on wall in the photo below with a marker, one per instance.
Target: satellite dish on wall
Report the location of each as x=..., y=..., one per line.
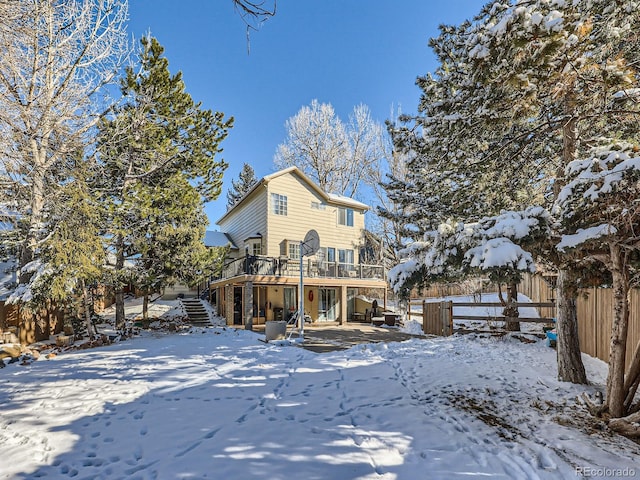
x=311, y=243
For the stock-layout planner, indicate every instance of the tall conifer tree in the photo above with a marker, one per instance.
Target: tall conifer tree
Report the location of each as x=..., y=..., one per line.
x=522, y=90
x=157, y=140
x=246, y=180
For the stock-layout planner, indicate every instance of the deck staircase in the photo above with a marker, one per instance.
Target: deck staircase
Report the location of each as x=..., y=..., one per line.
x=197, y=313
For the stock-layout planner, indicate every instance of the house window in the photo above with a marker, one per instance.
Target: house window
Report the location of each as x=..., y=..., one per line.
x=345, y=258
x=327, y=258
x=278, y=204
x=318, y=206
x=256, y=248
x=294, y=250
x=327, y=304
x=345, y=217
x=326, y=254
x=290, y=301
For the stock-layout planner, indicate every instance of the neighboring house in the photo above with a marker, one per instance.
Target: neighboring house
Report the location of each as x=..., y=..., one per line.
x=261, y=279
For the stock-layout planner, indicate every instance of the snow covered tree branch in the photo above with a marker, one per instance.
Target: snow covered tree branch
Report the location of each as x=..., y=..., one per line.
x=522, y=90
x=491, y=246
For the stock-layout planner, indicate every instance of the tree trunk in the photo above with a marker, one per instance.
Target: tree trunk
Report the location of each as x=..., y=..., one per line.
x=570, y=367
x=35, y=223
x=511, y=310
x=120, y=318
x=628, y=426
x=632, y=381
x=87, y=315
x=618, y=348
x=145, y=305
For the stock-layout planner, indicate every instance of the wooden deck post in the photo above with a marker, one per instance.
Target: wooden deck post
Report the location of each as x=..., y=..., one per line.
x=248, y=306
x=343, y=305
x=228, y=294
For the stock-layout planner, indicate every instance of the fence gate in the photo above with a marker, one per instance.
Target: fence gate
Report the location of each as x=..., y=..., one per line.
x=436, y=318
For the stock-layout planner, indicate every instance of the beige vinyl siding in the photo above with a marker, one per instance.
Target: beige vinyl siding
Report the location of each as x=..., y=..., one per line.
x=247, y=220
x=301, y=218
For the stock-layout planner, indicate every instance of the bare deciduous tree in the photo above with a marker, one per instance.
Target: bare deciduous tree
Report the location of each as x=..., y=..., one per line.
x=56, y=58
x=254, y=14
x=340, y=158
x=387, y=223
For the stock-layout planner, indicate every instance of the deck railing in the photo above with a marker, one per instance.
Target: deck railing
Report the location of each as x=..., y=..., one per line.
x=286, y=267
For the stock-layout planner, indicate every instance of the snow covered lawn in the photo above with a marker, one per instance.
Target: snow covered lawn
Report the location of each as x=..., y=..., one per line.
x=220, y=404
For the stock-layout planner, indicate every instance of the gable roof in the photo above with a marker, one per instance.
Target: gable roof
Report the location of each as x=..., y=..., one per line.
x=328, y=197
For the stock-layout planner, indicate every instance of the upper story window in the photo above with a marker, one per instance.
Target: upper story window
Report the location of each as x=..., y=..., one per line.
x=256, y=248
x=326, y=254
x=345, y=216
x=278, y=204
x=345, y=257
x=318, y=206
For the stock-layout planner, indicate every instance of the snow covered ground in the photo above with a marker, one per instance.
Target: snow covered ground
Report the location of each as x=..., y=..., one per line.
x=220, y=404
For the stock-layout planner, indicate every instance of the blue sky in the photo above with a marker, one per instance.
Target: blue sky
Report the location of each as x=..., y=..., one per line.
x=343, y=52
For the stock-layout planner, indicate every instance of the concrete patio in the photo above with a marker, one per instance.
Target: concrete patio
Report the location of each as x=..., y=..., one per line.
x=328, y=338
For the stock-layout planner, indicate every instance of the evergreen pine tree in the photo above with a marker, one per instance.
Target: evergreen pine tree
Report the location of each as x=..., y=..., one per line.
x=597, y=211
x=246, y=180
x=521, y=91
x=158, y=141
x=73, y=254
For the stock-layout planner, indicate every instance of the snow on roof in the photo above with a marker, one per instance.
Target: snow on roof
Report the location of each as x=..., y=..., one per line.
x=111, y=261
x=334, y=197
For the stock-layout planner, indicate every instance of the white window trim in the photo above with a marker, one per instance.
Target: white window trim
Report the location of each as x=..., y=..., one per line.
x=279, y=204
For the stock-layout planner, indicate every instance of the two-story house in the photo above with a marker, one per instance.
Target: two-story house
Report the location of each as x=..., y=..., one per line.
x=260, y=282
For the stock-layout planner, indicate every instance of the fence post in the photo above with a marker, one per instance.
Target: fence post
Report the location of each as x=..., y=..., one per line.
x=446, y=313
x=424, y=316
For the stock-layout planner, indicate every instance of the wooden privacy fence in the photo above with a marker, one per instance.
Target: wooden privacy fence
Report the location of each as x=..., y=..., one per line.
x=438, y=317
x=595, y=315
